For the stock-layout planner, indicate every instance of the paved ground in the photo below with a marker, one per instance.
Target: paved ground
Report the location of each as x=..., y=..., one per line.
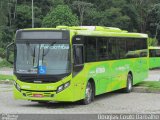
x=6, y=71
x=107, y=103
x=154, y=75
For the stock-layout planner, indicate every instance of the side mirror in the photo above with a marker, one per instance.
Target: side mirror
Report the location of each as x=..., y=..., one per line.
x=10, y=48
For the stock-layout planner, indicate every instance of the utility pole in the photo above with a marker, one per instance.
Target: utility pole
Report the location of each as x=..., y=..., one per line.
x=32, y=14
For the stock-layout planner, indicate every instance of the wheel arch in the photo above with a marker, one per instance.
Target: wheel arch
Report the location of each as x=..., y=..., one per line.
x=131, y=73
x=92, y=81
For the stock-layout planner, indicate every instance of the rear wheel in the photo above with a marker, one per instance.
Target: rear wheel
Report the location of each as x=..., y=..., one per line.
x=129, y=86
x=89, y=94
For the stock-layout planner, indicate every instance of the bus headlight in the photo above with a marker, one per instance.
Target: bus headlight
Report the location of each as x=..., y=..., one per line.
x=63, y=86
x=17, y=86
x=66, y=85
x=60, y=88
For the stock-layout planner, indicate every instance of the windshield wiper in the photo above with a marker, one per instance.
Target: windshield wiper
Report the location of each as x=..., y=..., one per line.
x=32, y=51
x=44, y=54
x=48, y=49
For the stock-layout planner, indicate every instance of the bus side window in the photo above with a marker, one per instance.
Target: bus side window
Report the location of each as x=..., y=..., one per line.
x=90, y=49
x=78, y=54
x=112, y=49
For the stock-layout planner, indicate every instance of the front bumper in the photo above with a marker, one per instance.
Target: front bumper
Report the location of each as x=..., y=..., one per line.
x=45, y=92
x=65, y=95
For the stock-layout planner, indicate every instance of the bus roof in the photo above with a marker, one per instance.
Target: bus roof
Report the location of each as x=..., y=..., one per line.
x=96, y=31
x=154, y=47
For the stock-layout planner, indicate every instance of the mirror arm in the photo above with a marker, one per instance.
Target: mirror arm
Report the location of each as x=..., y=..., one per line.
x=8, y=51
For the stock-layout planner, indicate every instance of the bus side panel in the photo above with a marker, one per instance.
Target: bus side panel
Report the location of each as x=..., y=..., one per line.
x=141, y=70
x=108, y=75
x=112, y=75
x=116, y=76
x=154, y=62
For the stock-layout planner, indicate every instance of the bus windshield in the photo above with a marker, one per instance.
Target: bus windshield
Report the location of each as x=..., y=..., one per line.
x=49, y=59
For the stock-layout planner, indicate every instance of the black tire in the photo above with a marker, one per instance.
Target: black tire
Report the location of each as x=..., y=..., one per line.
x=89, y=94
x=42, y=102
x=129, y=85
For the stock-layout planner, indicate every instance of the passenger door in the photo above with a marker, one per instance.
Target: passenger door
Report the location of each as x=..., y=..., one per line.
x=78, y=56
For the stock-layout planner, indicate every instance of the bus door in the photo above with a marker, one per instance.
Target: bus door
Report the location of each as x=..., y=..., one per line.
x=78, y=65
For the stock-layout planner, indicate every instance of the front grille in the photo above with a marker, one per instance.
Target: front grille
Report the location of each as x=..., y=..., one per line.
x=37, y=79
x=40, y=79
x=45, y=94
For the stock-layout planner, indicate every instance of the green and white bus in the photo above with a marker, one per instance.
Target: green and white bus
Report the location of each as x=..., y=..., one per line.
x=154, y=57
x=77, y=63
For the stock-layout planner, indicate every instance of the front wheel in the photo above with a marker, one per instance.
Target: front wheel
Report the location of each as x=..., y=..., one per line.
x=89, y=94
x=43, y=102
x=129, y=85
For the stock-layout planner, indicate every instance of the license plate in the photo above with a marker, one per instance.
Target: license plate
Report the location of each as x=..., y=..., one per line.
x=37, y=95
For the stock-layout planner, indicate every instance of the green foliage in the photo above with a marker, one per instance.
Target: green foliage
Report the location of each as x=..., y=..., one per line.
x=132, y=15
x=6, y=36
x=4, y=63
x=6, y=77
x=3, y=14
x=61, y=15
x=115, y=15
x=152, y=42
x=81, y=7
x=150, y=84
x=154, y=22
x=24, y=16
x=93, y=17
x=2, y=53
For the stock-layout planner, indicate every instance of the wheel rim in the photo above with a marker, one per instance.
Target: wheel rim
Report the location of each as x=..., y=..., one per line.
x=129, y=83
x=88, y=92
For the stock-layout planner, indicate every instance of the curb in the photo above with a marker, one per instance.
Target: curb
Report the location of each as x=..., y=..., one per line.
x=145, y=90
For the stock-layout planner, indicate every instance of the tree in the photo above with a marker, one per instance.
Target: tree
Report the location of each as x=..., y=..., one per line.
x=3, y=20
x=82, y=8
x=113, y=17
x=152, y=42
x=155, y=19
x=142, y=7
x=7, y=36
x=61, y=15
x=24, y=17
x=3, y=13
x=93, y=17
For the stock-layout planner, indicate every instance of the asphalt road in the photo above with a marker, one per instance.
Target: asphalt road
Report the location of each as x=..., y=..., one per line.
x=107, y=103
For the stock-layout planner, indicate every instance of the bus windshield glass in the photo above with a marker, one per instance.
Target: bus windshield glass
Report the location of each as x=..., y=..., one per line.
x=49, y=59
x=154, y=52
